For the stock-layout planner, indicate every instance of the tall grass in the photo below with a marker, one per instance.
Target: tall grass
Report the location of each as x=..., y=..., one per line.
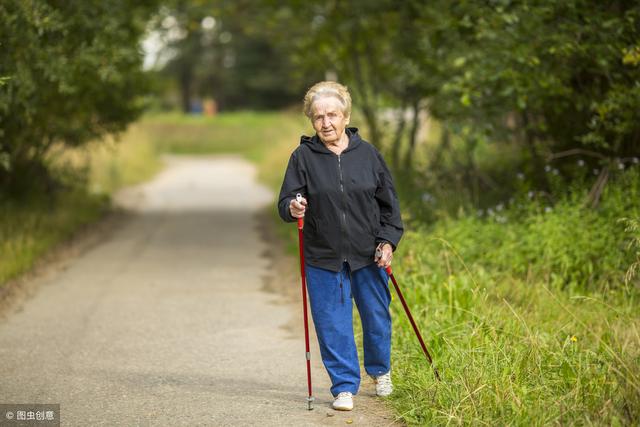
x=527, y=313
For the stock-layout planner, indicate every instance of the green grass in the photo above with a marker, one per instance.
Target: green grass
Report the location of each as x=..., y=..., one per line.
x=247, y=133
x=31, y=227
x=528, y=315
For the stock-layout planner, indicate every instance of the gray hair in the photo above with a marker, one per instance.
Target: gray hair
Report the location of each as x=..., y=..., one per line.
x=327, y=89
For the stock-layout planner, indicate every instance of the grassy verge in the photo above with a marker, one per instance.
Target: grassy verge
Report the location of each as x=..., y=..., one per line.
x=254, y=135
x=527, y=312
x=29, y=228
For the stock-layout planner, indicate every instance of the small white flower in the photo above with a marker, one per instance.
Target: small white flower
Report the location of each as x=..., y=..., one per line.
x=490, y=212
x=547, y=168
x=548, y=209
x=480, y=212
x=520, y=176
x=499, y=207
x=621, y=166
x=556, y=171
x=635, y=160
x=530, y=194
x=581, y=163
x=501, y=219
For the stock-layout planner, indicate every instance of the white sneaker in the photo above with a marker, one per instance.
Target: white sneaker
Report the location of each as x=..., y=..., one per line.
x=384, y=387
x=343, y=402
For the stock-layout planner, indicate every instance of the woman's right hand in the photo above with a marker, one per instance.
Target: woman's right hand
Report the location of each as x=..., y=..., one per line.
x=297, y=209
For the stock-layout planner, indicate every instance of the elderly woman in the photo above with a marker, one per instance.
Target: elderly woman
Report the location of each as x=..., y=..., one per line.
x=351, y=209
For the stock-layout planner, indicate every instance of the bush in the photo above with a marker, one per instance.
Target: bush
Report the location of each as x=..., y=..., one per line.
x=69, y=73
x=567, y=244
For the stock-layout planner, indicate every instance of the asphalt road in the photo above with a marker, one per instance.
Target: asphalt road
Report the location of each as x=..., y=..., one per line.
x=167, y=320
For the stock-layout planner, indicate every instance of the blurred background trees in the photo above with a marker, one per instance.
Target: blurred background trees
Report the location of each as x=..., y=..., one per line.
x=69, y=72
x=220, y=50
x=555, y=83
x=541, y=87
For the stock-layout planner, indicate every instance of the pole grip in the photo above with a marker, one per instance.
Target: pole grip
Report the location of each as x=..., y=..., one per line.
x=300, y=220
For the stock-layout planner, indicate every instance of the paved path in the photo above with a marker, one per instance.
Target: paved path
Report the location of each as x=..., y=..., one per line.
x=166, y=321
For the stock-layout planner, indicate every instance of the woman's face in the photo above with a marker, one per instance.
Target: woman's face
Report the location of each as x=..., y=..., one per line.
x=328, y=120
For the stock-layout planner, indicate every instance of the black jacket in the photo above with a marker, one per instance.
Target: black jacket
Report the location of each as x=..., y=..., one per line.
x=352, y=204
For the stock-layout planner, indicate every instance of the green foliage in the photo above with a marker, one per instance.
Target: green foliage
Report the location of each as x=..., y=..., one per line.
x=510, y=352
x=212, y=50
x=87, y=176
x=549, y=79
x=633, y=229
x=71, y=72
x=567, y=245
x=526, y=312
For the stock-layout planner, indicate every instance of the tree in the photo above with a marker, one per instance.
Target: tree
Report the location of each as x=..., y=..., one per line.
x=70, y=72
x=218, y=49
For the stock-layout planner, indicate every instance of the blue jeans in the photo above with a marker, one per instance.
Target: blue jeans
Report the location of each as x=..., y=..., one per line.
x=332, y=310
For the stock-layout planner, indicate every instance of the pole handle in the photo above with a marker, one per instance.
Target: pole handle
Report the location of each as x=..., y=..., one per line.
x=300, y=220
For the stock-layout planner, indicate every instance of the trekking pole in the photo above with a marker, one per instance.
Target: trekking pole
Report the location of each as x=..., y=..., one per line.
x=310, y=399
x=413, y=323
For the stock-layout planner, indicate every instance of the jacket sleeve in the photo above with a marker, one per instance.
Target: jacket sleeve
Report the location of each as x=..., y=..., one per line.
x=391, y=227
x=294, y=182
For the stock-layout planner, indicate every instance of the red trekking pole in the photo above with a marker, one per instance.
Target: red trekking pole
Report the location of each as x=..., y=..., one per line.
x=304, y=306
x=413, y=323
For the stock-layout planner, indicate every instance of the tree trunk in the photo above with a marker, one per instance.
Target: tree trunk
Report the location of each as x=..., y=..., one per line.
x=413, y=134
x=367, y=104
x=397, y=140
x=539, y=172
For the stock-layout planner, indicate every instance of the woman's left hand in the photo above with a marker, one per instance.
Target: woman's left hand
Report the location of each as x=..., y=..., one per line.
x=384, y=255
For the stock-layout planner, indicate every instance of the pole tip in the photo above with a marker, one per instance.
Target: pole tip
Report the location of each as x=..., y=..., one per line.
x=437, y=374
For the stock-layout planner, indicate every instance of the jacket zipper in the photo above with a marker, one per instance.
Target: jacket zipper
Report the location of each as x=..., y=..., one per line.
x=344, y=205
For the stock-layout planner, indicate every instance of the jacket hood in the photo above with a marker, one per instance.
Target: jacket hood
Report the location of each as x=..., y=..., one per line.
x=315, y=144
